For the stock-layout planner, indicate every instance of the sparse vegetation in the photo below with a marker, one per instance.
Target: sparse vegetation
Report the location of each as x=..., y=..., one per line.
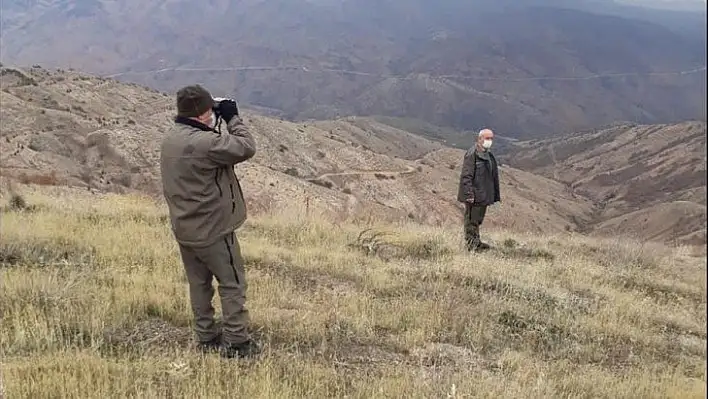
x=96, y=148
x=95, y=303
x=22, y=78
x=623, y=182
x=43, y=179
x=384, y=176
x=17, y=202
x=322, y=182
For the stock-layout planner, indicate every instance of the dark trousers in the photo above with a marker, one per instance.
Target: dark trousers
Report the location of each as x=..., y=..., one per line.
x=221, y=260
x=474, y=216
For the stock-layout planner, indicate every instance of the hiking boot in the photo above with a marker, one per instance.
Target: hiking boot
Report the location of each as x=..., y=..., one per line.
x=243, y=350
x=210, y=346
x=479, y=247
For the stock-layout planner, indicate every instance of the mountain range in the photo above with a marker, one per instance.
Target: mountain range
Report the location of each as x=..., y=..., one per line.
x=529, y=69
x=643, y=181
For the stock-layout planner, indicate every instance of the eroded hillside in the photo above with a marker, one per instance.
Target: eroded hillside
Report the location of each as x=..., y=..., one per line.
x=649, y=181
x=68, y=128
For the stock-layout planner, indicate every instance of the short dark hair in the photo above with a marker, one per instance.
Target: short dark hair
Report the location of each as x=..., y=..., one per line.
x=193, y=100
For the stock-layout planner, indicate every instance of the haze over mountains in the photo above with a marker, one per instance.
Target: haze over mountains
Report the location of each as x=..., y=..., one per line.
x=682, y=5
x=528, y=69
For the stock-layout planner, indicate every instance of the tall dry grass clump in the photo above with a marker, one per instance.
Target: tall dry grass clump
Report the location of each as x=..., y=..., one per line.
x=95, y=304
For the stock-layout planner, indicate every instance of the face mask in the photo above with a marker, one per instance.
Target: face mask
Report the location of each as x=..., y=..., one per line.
x=487, y=144
x=212, y=121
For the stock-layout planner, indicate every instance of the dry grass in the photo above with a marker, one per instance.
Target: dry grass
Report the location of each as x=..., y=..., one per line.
x=94, y=304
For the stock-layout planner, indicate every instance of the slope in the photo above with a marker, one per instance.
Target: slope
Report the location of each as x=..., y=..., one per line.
x=679, y=222
x=645, y=177
x=450, y=63
x=73, y=129
x=94, y=305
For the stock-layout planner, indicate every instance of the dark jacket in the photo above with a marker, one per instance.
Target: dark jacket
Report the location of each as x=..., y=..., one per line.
x=479, y=178
x=200, y=187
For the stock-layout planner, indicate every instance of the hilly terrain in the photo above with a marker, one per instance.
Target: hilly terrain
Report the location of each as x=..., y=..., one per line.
x=75, y=129
x=69, y=128
x=528, y=69
x=647, y=180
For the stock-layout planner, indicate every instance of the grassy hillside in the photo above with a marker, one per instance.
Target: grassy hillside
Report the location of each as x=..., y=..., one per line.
x=94, y=304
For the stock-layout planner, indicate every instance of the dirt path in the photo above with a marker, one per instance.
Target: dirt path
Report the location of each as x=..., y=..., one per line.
x=410, y=170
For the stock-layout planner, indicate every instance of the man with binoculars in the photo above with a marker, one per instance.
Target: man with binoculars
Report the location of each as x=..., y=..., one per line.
x=206, y=205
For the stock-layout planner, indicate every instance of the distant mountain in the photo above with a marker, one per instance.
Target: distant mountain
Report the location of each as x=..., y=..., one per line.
x=673, y=5
x=517, y=66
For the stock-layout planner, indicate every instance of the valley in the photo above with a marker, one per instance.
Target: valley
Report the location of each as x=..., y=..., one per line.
x=75, y=129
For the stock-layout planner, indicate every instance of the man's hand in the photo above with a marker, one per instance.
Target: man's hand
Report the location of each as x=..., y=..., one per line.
x=470, y=200
x=227, y=109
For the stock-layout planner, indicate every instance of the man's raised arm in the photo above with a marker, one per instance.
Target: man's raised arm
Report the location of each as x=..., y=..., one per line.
x=238, y=145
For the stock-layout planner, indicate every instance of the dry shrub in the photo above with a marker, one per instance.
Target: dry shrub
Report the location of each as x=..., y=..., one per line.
x=626, y=254
x=390, y=245
x=322, y=182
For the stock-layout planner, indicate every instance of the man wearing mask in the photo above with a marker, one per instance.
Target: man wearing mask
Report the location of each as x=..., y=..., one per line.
x=206, y=206
x=479, y=187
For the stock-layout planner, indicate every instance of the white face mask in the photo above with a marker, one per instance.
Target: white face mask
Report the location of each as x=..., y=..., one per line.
x=212, y=123
x=487, y=144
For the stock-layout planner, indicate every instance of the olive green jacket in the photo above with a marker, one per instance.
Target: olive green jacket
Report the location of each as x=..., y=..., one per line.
x=200, y=187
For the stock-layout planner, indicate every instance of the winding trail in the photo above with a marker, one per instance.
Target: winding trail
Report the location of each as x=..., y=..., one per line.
x=410, y=170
